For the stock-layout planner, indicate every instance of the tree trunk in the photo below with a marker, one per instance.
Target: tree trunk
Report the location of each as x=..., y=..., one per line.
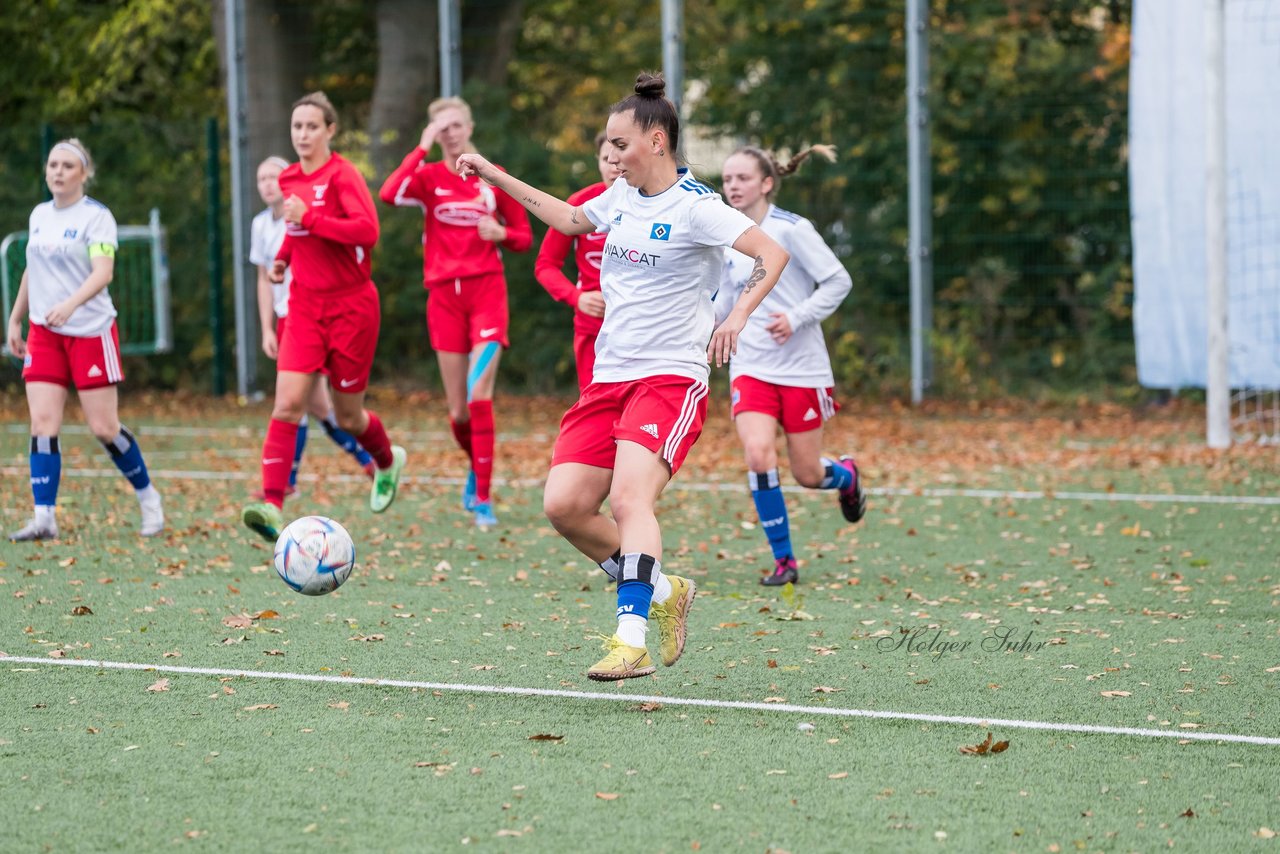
x=408, y=46
x=490, y=35
x=278, y=49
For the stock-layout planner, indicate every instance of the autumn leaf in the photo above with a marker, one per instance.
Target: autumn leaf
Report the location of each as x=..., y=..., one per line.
x=272, y=652
x=266, y=615
x=57, y=653
x=825, y=689
x=341, y=704
x=1115, y=694
x=159, y=685
x=839, y=776
x=260, y=707
x=985, y=747
x=607, y=796
x=368, y=638
x=646, y=707
x=81, y=611
x=775, y=699
x=545, y=737
x=237, y=621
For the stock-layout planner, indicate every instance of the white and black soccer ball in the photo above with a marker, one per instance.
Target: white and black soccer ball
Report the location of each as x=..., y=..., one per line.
x=314, y=555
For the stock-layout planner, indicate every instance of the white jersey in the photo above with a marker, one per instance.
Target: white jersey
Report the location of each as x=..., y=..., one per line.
x=59, y=240
x=265, y=236
x=661, y=266
x=811, y=287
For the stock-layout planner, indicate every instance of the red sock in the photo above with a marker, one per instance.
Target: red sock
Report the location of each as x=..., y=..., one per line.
x=374, y=440
x=277, y=460
x=462, y=434
x=482, y=445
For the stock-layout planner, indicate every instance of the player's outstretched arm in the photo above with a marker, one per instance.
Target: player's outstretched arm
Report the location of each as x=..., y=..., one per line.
x=556, y=213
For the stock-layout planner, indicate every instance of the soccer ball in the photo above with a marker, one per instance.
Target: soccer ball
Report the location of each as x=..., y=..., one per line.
x=314, y=555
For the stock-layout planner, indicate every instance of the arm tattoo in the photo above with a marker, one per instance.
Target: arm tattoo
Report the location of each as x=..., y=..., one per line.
x=573, y=216
x=530, y=201
x=757, y=275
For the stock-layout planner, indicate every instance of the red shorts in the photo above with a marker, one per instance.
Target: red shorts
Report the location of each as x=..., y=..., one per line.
x=462, y=313
x=797, y=409
x=333, y=334
x=67, y=360
x=584, y=356
x=281, y=325
x=664, y=414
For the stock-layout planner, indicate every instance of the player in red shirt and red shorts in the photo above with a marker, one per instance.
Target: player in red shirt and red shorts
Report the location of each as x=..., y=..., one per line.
x=334, y=311
x=465, y=221
x=585, y=295
x=632, y=428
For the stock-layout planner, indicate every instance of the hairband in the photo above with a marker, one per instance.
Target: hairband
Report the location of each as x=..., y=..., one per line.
x=277, y=161
x=66, y=146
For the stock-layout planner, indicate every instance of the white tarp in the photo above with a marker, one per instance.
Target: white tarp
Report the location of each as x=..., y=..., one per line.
x=1167, y=191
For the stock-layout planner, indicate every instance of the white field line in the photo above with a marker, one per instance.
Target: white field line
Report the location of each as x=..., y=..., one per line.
x=726, y=486
x=992, y=723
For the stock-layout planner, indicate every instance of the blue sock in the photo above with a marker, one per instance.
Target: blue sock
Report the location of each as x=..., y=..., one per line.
x=345, y=440
x=127, y=456
x=635, y=584
x=299, y=445
x=772, y=510
x=46, y=470
x=837, y=476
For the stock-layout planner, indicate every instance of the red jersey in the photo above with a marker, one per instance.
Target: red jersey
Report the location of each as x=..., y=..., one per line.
x=329, y=252
x=587, y=248
x=452, y=248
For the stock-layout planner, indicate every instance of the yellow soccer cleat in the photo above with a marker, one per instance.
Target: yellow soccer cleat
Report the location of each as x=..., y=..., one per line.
x=673, y=618
x=622, y=662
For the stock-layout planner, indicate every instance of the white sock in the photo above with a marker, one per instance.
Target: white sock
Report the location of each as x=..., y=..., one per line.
x=148, y=494
x=632, y=629
x=661, y=587
x=45, y=514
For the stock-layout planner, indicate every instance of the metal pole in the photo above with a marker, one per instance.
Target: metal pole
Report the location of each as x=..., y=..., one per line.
x=213, y=185
x=673, y=49
x=1218, y=385
x=920, y=196
x=245, y=297
x=450, y=48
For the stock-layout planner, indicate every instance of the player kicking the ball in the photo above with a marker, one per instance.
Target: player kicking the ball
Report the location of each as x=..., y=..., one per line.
x=631, y=429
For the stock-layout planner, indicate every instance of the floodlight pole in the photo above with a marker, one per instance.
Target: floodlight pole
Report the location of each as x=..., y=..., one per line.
x=246, y=298
x=920, y=196
x=673, y=49
x=450, y=17
x=1218, y=380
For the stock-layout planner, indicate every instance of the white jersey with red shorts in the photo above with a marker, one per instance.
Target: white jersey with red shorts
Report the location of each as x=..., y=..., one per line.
x=61, y=244
x=811, y=287
x=266, y=233
x=334, y=311
x=662, y=264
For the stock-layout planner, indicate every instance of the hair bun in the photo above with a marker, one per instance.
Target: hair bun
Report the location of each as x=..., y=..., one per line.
x=650, y=85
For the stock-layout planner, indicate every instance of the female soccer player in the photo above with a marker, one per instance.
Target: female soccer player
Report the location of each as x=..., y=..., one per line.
x=630, y=430
x=781, y=373
x=333, y=311
x=465, y=221
x=266, y=235
x=585, y=296
x=73, y=340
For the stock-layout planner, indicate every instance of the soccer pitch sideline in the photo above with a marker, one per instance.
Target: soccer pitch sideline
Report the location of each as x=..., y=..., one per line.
x=1092, y=588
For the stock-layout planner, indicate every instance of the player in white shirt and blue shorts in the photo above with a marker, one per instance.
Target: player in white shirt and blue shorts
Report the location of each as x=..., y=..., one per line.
x=632, y=427
x=72, y=341
x=266, y=233
x=781, y=374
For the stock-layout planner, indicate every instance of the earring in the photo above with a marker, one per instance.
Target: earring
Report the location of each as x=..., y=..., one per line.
x=662, y=153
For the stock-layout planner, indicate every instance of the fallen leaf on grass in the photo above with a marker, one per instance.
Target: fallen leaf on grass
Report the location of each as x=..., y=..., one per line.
x=159, y=685
x=261, y=707
x=1190, y=813
x=266, y=615
x=775, y=699
x=272, y=652
x=68, y=562
x=1115, y=693
x=57, y=653
x=341, y=704
x=484, y=667
x=81, y=611
x=826, y=689
x=985, y=747
x=645, y=707
x=839, y=776
x=368, y=638
x=237, y=621
x=607, y=796
x=1265, y=833
x=546, y=737
x=228, y=641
